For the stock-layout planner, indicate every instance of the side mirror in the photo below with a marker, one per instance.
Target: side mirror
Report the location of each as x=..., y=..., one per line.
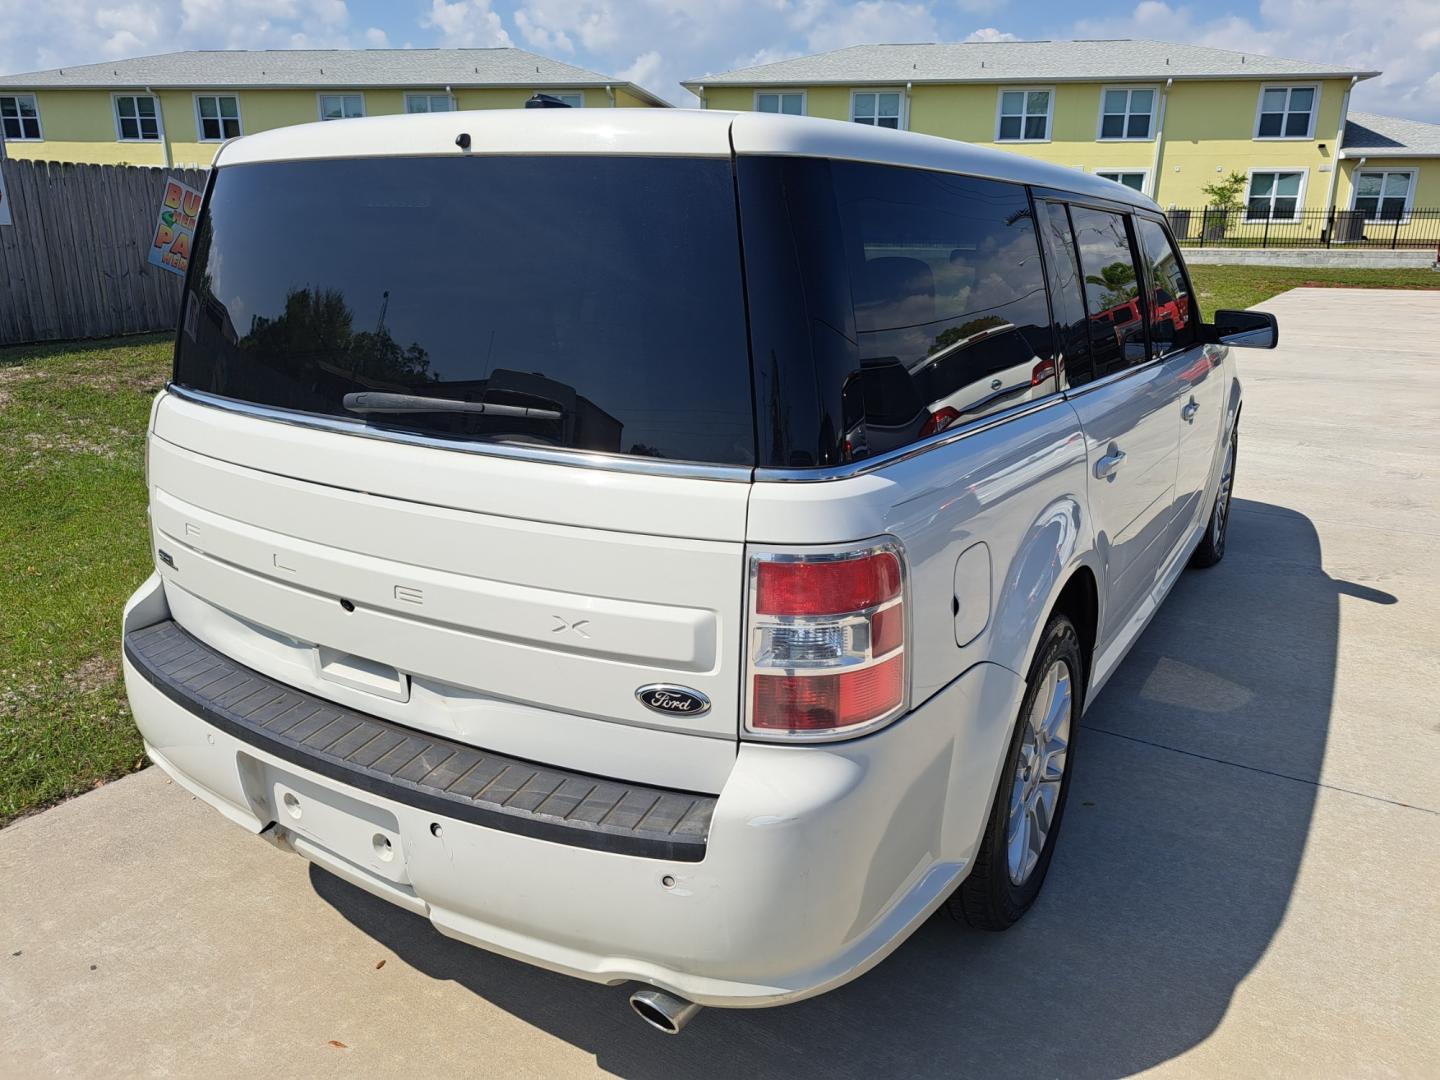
x=1246, y=329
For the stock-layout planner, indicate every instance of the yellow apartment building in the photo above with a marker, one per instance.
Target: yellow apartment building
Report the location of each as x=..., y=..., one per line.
x=1163, y=118
x=177, y=108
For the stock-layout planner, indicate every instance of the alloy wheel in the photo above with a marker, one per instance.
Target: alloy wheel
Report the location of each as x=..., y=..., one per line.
x=1221, y=517
x=1039, y=770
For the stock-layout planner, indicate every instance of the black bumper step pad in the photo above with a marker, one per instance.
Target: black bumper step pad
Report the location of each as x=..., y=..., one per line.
x=430, y=773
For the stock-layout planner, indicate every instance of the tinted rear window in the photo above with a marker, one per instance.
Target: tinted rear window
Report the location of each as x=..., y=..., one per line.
x=601, y=294
x=910, y=300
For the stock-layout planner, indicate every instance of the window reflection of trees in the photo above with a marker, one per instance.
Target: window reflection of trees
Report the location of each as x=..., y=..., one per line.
x=318, y=325
x=1112, y=290
x=1118, y=281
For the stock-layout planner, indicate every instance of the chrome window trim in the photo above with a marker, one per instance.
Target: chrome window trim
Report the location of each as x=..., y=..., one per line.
x=577, y=459
x=904, y=453
x=1113, y=377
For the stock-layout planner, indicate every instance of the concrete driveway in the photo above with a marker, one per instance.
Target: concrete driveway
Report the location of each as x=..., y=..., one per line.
x=1249, y=881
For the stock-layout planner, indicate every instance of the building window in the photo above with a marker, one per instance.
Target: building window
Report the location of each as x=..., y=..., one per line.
x=217, y=117
x=20, y=118
x=574, y=98
x=1133, y=180
x=137, y=118
x=421, y=103
x=341, y=106
x=1024, y=116
x=1127, y=114
x=1384, y=194
x=1274, y=195
x=789, y=104
x=1286, y=112
x=878, y=108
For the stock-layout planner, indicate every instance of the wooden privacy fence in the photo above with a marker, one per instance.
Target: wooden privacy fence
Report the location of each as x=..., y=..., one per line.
x=75, y=262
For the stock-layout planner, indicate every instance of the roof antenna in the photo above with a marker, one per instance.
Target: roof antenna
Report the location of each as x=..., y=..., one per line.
x=463, y=140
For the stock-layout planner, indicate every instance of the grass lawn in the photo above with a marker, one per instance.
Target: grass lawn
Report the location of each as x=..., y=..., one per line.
x=1244, y=286
x=73, y=536
x=73, y=545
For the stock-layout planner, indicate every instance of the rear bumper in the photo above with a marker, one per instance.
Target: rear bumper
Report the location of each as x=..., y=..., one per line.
x=817, y=861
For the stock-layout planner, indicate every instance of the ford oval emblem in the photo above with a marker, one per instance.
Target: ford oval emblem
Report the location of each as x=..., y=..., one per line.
x=673, y=700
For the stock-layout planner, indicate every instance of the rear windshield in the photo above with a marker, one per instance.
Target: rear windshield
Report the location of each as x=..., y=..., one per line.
x=581, y=302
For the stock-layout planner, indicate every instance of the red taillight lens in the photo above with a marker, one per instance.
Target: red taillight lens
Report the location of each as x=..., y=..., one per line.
x=827, y=637
x=939, y=420
x=825, y=702
x=828, y=587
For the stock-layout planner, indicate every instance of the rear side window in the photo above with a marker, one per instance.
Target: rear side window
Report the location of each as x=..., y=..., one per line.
x=1067, y=300
x=912, y=300
x=585, y=302
x=1172, y=309
x=1112, y=291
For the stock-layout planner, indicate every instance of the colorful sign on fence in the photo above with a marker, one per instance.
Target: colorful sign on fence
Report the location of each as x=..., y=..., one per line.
x=175, y=228
x=5, y=218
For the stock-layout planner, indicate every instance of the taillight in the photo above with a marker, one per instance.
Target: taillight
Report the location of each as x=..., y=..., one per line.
x=827, y=642
x=939, y=420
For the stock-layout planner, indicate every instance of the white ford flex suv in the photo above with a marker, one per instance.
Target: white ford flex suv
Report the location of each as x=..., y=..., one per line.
x=667, y=547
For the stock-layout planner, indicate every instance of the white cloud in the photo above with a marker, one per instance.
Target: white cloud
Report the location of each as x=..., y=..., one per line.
x=540, y=36
x=644, y=70
x=659, y=42
x=989, y=33
x=691, y=37
x=377, y=38
x=466, y=24
x=597, y=25
x=1400, y=38
x=871, y=21
x=87, y=31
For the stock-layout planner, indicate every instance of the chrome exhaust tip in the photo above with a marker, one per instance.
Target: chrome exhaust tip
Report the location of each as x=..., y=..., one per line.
x=662, y=1011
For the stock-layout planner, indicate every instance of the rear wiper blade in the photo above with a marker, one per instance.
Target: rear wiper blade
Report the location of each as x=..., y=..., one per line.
x=376, y=402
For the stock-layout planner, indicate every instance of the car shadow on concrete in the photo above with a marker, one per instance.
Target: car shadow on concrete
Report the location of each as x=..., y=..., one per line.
x=1197, y=771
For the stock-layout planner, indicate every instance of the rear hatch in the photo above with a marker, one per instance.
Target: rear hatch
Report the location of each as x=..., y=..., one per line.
x=464, y=441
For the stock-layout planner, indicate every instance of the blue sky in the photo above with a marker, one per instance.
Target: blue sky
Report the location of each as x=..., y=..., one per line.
x=658, y=42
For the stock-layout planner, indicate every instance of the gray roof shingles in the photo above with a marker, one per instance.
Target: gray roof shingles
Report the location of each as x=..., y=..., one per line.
x=1019, y=61
x=320, y=68
x=1389, y=136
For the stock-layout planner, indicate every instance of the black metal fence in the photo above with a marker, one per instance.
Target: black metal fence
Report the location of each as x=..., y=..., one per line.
x=1210, y=226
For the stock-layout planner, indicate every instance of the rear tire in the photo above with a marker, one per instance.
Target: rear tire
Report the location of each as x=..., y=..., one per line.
x=1025, y=818
x=1211, y=548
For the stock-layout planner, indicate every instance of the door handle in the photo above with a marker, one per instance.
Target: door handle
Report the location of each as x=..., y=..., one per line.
x=1189, y=411
x=1106, y=466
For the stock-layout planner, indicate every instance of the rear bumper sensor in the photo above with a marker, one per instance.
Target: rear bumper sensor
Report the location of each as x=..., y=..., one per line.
x=437, y=775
